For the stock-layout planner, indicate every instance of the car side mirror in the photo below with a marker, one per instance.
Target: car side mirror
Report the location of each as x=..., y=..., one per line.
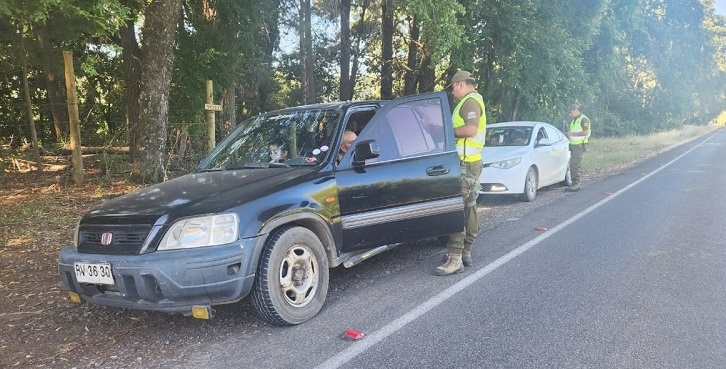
x=544, y=142
x=365, y=150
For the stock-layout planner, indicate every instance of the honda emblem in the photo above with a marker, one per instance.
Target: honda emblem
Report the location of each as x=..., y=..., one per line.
x=106, y=238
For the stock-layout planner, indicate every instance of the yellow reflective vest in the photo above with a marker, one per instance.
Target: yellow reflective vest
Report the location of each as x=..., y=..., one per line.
x=470, y=148
x=576, y=126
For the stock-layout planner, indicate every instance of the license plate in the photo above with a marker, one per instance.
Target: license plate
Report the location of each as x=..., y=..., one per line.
x=94, y=273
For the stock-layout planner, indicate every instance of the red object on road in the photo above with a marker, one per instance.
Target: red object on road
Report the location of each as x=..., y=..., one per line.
x=607, y=193
x=540, y=228
x=353, y=335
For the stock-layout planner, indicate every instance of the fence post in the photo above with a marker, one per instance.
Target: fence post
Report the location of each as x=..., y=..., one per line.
x=211, y=139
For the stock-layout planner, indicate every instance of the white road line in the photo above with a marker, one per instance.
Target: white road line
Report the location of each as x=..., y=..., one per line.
x=359, y=347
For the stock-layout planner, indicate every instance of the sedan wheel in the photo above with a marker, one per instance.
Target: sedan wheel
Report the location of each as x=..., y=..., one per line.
x=292, y=277
x=530, y=186
x=567, y=182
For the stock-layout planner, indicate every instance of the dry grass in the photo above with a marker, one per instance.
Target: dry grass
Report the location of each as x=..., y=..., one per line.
x=603, y=153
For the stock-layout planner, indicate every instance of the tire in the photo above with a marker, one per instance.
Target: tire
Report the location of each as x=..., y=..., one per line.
x=567, y=182
x=530, y=186
x=292, y=277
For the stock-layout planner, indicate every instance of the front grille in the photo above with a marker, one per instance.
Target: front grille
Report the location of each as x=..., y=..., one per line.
x=124, y=240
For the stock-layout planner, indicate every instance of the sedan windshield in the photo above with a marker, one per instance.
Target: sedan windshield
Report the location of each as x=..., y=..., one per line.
x=508, y=136
x=287, y=138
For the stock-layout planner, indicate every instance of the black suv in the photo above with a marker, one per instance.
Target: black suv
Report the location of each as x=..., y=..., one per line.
x=272, y=208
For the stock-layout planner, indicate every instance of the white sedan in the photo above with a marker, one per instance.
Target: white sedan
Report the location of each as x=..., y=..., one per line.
x=521, y=157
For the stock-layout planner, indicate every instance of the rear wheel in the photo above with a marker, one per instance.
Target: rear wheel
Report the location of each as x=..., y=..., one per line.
x=292, y=278
x=530, y=186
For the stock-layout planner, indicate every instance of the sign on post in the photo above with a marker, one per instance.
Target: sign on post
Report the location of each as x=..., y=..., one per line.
x=212, y=107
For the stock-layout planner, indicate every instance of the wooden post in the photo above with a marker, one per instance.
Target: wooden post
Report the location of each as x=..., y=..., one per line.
x=211, y=140
x=75, y=124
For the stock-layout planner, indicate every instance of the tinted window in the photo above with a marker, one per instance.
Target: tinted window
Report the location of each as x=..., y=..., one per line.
x=409, y=129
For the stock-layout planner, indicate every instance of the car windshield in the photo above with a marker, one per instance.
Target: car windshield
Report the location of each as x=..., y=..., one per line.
x=508, y=136
x=289, y=138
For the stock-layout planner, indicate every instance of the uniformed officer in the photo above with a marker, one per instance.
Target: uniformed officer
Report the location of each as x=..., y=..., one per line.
x=469, y=122
x=578, y=134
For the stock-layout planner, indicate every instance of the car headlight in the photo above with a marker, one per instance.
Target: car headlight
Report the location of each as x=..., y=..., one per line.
x=506, y=164
x=210, y=230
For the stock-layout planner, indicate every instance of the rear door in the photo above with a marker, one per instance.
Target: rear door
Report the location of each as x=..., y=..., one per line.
x=412, y=190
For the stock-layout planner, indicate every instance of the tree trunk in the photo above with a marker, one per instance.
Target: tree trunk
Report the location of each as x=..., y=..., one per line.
x=159, y=35
x=229, y=114
x=409, y=78
x=427, y=75
x=306, y=53
x=387, y=30
x=132, y=78
x=29, y=111
x=53, y=85
x=357, y=53
x=345, y=50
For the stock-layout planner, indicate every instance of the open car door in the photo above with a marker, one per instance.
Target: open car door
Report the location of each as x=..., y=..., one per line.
x=401, y=179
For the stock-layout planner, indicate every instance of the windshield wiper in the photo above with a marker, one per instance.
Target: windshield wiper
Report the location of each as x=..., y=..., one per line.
x=278, y=165
x=205, y=170
x=247, y=165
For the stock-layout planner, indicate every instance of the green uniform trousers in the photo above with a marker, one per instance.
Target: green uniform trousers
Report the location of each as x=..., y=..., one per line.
x=577, y=152
x=470, y=172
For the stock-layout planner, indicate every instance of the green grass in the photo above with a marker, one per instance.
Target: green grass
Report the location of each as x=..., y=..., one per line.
x=34, y=209
x=25, y=219
x=623, y=151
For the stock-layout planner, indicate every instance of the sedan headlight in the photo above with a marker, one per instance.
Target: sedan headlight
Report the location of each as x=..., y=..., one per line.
x=203, y=231
x=506, y=164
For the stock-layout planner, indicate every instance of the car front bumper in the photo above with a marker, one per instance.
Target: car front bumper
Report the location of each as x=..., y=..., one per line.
x=503, y=181
x=170, y=281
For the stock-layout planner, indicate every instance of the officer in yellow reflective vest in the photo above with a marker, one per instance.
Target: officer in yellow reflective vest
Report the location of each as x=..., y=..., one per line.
x=469, y=122
x=578, y=134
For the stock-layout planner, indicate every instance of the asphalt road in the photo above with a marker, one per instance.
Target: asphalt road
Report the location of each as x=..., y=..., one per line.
x=631, y=273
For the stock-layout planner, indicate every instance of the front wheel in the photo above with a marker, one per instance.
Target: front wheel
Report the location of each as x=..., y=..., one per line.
x=530, y=186
x=567, y=182
x=292, y=278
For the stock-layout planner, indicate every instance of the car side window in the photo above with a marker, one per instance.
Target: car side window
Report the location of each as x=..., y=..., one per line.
x=410, y=129
x=541, y=134
x=553, y=134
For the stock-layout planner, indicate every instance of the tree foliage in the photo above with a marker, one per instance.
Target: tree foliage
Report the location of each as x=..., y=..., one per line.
x=636, y=66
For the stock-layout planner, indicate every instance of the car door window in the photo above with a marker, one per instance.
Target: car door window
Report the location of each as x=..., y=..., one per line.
x=410, y=129
x=553, y=134
x=541, y=134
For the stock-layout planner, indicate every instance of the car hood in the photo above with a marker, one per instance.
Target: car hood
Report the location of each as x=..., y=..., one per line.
x=493, y=154
x=193, y=194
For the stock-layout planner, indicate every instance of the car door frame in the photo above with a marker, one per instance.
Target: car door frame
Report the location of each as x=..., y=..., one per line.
x=403, y=199
x=560, y=153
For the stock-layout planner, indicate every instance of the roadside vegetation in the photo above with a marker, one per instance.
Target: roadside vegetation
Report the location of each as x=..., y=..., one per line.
x=603, y=153
x=643, y=66
x=32, y=202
